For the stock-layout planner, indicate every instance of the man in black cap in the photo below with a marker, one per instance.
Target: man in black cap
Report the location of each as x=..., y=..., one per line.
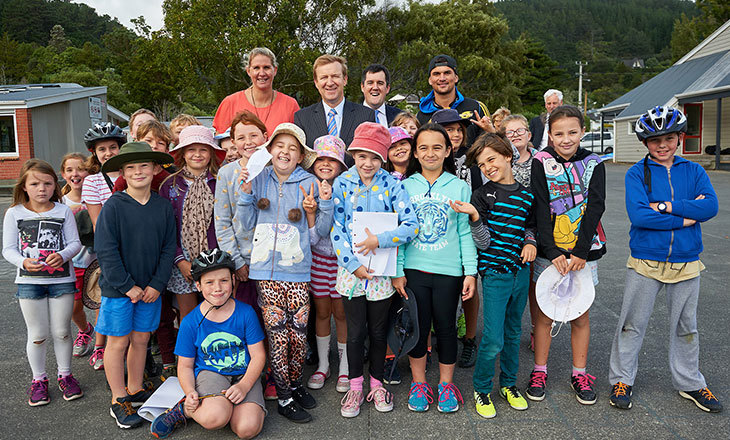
x=442, y=76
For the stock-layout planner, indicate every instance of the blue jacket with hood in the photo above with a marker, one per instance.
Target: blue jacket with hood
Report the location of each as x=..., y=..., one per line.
x=661, y=237
x=281, y=249
x=384, y=194
x=467, y=108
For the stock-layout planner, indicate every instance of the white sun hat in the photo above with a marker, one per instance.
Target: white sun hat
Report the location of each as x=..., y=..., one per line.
x=564, y=298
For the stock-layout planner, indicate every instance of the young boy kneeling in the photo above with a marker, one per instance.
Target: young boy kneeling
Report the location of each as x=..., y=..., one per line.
x=135, y=243
x=221, y=355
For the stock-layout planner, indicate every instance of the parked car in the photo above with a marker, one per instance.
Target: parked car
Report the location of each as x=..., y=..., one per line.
x=592, y=141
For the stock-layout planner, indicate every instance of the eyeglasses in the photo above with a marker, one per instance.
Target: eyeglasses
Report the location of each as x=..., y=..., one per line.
x=518, y=132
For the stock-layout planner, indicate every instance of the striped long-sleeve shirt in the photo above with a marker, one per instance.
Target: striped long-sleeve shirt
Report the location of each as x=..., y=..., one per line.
x=506, y=212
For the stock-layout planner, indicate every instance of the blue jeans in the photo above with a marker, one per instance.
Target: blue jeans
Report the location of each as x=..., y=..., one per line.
x=504, y=296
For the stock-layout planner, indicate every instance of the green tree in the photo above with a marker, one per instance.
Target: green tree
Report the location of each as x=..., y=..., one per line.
x=58, y=41
x=689, y=32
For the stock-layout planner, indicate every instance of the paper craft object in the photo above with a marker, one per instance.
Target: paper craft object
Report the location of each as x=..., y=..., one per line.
x=384, y=262
x=257, y=162
x=164, y=398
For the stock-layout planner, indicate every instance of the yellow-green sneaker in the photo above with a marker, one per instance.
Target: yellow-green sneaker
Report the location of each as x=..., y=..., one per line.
x=485, y=407
x=513, y=397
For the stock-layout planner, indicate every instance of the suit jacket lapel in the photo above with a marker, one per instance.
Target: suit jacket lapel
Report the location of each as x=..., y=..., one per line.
x=347, y=118
x=320, y=119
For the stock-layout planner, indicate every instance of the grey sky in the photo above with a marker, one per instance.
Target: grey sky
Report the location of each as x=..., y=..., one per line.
x=125, y=10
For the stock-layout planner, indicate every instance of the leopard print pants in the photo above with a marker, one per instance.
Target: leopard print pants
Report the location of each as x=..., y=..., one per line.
x=285, y=308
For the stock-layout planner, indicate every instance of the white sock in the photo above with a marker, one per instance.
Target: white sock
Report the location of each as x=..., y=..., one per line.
x=323, y=350
x=342, y=349
x=285, y=402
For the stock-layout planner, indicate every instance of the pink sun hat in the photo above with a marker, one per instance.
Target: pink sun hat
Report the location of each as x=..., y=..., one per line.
x=198, y=134
x=398, y=134
x=372, y=137
x=331, y=146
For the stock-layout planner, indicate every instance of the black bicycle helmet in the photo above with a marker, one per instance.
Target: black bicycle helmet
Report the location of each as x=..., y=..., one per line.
x=211, y=260
x=659, y=121
x=103, y=131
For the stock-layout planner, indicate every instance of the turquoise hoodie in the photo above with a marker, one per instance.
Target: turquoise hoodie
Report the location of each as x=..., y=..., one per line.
x=444, y=244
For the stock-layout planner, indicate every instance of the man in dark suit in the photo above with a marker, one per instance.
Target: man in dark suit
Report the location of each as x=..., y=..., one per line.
x=538, y=128
x=375, y=86
x=333, y=115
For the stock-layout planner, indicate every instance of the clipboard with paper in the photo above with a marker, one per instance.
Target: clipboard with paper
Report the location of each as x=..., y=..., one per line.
x=384, y=261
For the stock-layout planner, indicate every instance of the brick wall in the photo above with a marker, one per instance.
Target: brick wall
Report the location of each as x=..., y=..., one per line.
x=10, y=166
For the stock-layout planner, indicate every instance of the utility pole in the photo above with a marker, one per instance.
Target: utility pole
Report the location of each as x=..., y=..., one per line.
x=580, y=80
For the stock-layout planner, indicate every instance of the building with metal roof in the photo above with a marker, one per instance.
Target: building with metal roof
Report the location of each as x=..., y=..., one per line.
x=697, y=83
x=47, y=121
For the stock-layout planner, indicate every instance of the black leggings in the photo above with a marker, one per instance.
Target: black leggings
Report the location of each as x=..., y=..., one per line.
x=437, y=297
x=369, y=317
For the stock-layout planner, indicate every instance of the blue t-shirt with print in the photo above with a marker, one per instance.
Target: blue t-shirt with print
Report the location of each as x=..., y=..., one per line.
x=221, y=347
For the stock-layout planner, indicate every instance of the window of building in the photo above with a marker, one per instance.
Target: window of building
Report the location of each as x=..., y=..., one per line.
x=693, y=137
x=8, y=141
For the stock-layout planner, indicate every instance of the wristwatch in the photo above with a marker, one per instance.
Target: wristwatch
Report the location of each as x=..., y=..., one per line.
x=662, y=207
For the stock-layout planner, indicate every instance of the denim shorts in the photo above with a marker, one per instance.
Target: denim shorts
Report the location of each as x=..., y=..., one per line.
x=41, y=291
x=120, y=316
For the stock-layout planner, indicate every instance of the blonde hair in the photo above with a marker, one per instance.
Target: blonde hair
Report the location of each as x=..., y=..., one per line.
x=67, y=188
x=183, y=119
x=158, y=130
x=265, y=51
x=142, y=111
x=515, y=117
x=501, y=112
x=404, y=116
x=40, y=166
x=329, y=59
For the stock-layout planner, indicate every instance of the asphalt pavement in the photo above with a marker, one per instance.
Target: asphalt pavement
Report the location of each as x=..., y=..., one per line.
x=658, y=412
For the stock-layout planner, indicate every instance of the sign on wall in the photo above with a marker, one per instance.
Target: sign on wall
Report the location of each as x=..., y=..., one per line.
x=95, y=108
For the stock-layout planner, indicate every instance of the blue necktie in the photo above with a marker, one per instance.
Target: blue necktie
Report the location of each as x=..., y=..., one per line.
x=331, y=125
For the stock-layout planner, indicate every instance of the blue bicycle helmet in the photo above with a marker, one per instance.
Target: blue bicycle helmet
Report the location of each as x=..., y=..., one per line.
x=659, y=121
x=211, y=260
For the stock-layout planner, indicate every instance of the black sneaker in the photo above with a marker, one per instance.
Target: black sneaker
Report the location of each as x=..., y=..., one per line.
x=621, y=396
x=468, y=353
x=123, y=413
x=704, y=399
x=536, y=386
x=391, y=379
x=140, y=397
x=295, y=413
x=303, y=398
x=583, y=387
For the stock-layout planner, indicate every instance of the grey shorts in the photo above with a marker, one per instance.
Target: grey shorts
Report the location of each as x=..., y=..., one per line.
x=210, y=382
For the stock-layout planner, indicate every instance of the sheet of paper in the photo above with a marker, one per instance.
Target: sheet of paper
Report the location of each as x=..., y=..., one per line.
x=257, y=162
x=383, y=263
x=164, y=398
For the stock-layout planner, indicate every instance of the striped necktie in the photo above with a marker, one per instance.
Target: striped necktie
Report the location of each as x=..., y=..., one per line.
x=331, y=124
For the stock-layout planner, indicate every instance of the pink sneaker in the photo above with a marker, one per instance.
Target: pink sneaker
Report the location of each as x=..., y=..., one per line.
x=343, y=384
x=316, y=380
x=84, y=343
x=382, y=398
x=38, y=393
x=351, y=403
x=70, y=388
x=97, y=359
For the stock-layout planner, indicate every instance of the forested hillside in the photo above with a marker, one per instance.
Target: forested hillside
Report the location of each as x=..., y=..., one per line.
x=509, y=52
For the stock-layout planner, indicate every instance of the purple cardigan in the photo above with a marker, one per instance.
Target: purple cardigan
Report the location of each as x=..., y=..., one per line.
x=175, y=189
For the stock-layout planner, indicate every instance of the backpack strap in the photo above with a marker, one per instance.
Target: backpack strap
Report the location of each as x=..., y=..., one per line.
x=108, y=181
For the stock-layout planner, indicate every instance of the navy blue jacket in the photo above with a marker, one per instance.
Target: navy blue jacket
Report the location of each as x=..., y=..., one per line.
x=661, y=237
x=135, y=244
